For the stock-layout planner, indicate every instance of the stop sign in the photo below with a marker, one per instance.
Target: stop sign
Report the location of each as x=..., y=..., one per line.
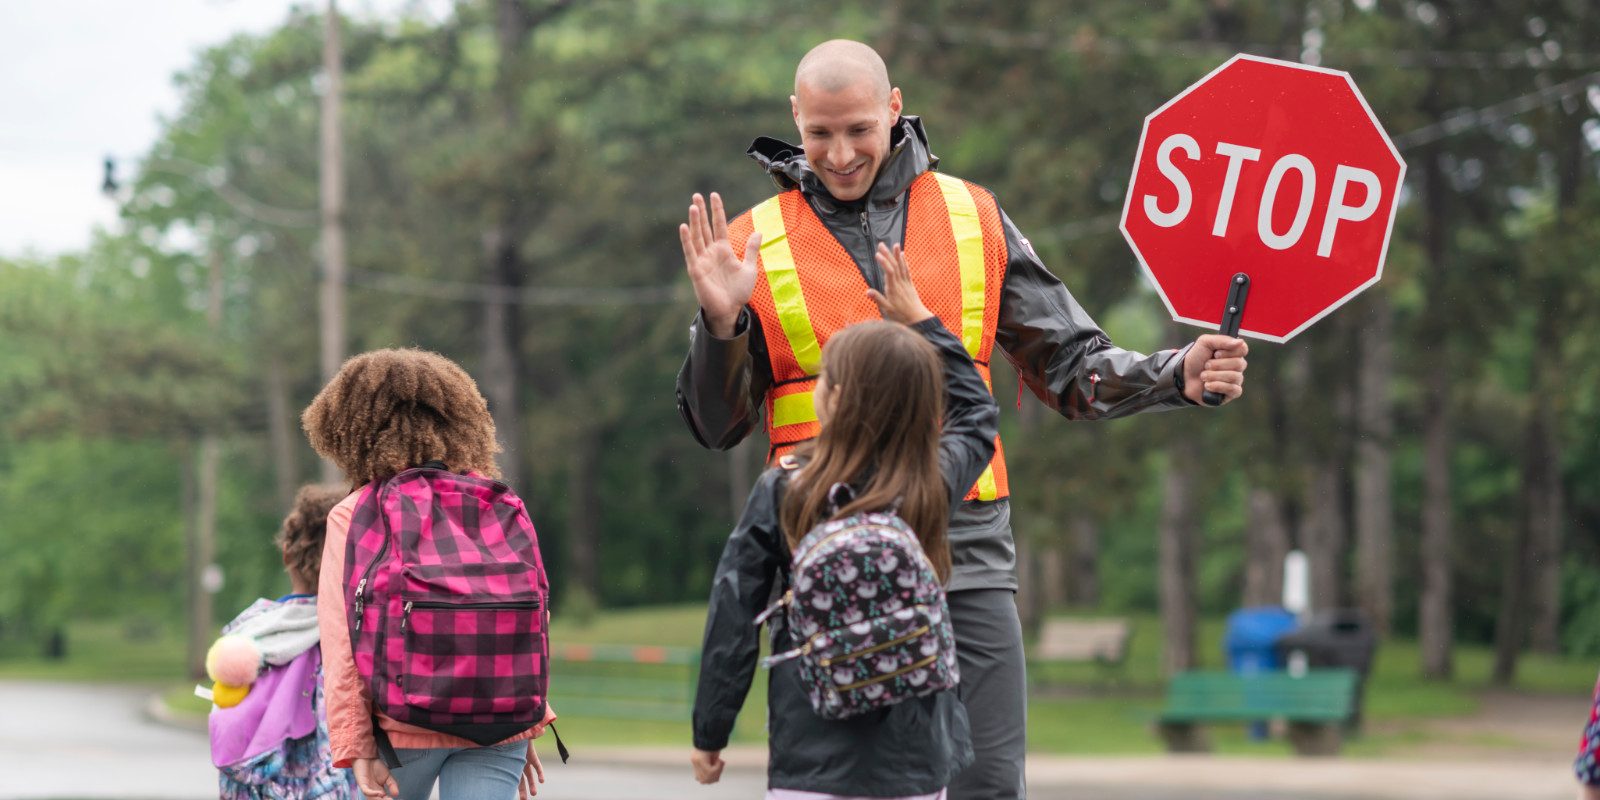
x=1270, y=168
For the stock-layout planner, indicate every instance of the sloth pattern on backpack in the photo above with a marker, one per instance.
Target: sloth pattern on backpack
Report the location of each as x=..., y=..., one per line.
x=870, y=614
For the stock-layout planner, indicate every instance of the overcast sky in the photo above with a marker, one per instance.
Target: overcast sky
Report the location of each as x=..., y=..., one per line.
x=82, y=79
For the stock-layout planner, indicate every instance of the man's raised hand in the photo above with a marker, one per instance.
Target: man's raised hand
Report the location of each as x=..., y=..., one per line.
x=898, y=302
x=722, y=282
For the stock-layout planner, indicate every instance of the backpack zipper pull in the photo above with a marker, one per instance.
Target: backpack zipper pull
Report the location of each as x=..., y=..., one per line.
x=405, y=614
x=786, y=599
x=360, y=587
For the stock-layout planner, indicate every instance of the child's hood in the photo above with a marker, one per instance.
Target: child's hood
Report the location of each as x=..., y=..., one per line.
x=282, y=629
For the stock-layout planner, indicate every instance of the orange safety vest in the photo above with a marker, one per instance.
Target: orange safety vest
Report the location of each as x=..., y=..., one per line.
x=956, y=247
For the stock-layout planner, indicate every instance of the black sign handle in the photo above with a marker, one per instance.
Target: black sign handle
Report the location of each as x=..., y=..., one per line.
x=1238, y=290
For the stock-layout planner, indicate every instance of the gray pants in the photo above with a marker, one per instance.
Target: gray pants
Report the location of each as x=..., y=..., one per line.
x=995, y=691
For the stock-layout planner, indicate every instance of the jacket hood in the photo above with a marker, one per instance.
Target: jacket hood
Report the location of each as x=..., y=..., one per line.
x=282, y=629
x=909, y=157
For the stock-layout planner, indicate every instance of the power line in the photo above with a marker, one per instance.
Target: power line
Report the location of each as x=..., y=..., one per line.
x=1466, y=120
x=521, y=295
x=216, y=179
x=1550, y=56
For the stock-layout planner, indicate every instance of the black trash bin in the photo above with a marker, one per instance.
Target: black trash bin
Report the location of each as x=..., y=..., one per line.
x=1340, y=637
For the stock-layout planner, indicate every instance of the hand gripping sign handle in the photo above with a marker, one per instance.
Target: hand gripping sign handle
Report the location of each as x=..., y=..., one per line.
x=1238, y=290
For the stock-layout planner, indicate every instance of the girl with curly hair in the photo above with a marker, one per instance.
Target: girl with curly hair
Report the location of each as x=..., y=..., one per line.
x=388, y=411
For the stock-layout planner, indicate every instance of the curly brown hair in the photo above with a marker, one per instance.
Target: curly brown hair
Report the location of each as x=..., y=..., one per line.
x=390, y=410
x=303, y=530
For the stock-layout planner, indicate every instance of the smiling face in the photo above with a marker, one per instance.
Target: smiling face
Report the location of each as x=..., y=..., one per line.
x=845, y=133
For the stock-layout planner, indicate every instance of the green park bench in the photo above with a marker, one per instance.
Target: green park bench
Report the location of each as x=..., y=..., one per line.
x=1315, y=706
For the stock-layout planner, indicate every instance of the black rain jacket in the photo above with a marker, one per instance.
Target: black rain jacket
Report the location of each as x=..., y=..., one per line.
x=1059, y=351
x=914, y=747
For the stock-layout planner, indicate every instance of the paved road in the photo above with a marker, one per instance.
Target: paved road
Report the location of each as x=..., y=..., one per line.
x=65, y=740
x=60, y=740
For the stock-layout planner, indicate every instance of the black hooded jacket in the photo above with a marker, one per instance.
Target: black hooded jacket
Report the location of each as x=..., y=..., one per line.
x=914, y=747
x=1059, y=351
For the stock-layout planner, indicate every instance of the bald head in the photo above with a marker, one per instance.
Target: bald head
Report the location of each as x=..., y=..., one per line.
x=845, y=110
x=840, y=64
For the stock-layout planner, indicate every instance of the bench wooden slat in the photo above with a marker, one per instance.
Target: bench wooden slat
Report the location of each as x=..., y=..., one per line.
x=1319, y=696
x=1083, y=640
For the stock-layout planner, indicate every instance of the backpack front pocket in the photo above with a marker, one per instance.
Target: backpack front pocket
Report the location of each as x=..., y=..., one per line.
x=877, y=662
x=474, y=658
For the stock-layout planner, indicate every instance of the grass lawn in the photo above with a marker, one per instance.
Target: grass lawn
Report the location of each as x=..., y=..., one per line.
x=1074, y=708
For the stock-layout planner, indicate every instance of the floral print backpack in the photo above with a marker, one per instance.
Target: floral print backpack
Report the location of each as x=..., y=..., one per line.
x=869, y=613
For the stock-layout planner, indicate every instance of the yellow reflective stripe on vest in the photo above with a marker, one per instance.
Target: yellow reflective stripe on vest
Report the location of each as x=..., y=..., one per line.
x=786, y=294
x=968, y=232
x=987, y=490
x=793, y=409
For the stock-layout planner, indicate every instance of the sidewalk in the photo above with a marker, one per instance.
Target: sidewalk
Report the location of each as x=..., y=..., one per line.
x=1543, y=779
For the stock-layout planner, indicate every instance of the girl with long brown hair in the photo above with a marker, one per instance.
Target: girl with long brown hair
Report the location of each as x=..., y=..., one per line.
x=908, y=425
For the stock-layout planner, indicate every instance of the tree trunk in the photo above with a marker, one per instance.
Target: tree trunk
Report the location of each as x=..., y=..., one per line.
x=1053, y=586
x=1374, y=482
x=1436, y=624
x=499, y=377
x=1510, y=624
x=284, y=469
x=1178, y=545
x=1083, y=585
x=1322, y=534
x=1545, y=503
x=1268, y=543
x=1544, y=535
x=583, y=531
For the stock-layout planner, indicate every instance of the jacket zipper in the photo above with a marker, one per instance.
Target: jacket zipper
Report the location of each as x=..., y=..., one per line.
x=872, y=245
x=405, y=613
x=881, y=678
x=831, y=660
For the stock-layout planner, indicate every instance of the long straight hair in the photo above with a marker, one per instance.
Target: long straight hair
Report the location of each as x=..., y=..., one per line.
x=882, y=437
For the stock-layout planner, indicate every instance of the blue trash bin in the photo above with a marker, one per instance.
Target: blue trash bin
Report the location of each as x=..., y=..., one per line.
x=1250, y=641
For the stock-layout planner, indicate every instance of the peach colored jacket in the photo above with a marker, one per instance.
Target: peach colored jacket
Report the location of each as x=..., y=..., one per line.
x=349, y=701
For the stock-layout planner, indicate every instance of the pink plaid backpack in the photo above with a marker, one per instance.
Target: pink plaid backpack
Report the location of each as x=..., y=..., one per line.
x=446, y=595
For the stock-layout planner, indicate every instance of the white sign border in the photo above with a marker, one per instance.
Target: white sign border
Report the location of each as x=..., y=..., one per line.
x=1394, y=204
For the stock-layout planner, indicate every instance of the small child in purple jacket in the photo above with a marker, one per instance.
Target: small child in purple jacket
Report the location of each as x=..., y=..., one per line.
x=273, y=743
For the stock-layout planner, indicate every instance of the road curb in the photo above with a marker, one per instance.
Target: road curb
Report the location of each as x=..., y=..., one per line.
x=157, y=710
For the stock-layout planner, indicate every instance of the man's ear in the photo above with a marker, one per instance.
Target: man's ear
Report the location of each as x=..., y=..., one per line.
x=794, y=106
x=895, y=105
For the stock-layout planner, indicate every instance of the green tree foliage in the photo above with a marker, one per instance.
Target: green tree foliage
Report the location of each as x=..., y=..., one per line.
x=585, y=143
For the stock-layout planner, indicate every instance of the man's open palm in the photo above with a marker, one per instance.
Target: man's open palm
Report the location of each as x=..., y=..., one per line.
x=722, y=282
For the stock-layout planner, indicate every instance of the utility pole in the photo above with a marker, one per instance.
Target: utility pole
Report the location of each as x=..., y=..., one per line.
x=332, y=191
x=205, y=576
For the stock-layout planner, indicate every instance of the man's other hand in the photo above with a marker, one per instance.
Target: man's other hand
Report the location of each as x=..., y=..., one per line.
x=722, y=282
x=1215, y=363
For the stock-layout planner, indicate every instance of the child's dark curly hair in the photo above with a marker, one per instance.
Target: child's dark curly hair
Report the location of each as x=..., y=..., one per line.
x=390, y=410
x=304, y=529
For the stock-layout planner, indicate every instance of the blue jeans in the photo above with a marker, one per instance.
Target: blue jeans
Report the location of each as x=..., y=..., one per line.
x=464, y=773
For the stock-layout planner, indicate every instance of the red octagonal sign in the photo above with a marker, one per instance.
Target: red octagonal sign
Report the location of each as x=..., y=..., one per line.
x=1270, y=168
